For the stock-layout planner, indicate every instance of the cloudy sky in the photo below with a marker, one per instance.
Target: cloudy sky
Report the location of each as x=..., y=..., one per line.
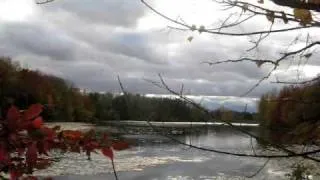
x=91, y=42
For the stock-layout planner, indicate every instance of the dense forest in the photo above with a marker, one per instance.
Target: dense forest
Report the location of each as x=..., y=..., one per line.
x=65, y=102
x=22, y=87
x=294, y=110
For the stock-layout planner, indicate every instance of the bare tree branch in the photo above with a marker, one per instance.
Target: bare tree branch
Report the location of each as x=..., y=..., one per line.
x=260, y=62
x=44, y=2
x=121, y=85
x=114, y=170
x=185, y=26
x=285, y=55
x=237, y=22
x=260, y=169
x=259, y=82
x=260, y=39
x=257, y=61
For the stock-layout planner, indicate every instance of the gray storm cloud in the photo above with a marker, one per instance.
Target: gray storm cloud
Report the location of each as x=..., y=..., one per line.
x=91, y=42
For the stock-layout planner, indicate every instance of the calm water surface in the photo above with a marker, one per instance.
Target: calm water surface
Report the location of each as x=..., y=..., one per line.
x=155, y=157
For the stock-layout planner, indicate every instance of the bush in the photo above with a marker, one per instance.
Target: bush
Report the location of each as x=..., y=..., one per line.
x=25, y=142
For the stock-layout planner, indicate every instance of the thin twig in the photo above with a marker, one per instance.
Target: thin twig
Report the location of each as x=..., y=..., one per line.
x=121, y=86
x=259, y=170
x=44, y=2
x=261, y=37
x=275, y=64
x=114, y=170
x=258, y=61
x=232, y=24
x=259, y=82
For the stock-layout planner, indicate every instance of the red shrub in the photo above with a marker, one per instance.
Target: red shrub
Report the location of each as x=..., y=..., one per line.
x=23, y=138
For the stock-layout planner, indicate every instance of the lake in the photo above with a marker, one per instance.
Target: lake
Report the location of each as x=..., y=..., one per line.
x=156, y=157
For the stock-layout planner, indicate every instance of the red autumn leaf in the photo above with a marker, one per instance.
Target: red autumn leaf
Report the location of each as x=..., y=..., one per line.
x=107, y=152
x=91, y=145
x=37, y=123
x=32, y=155
x=33, y=111
x=49, y=133
x=13, y=113
x=14, y=175
x=13, y=117
x=120, y=145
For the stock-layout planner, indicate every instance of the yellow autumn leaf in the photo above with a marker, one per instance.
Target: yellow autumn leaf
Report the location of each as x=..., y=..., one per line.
x=303, y=15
